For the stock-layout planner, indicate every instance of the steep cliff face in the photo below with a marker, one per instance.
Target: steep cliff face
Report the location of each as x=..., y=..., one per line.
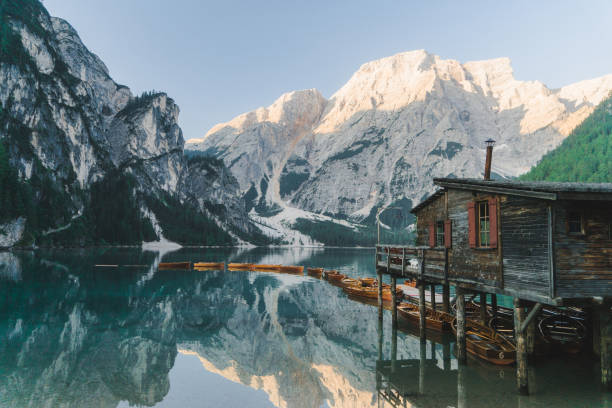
x=70, y=131
x=396, y=124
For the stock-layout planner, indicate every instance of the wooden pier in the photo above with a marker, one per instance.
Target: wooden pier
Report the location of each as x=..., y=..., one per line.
x=543, y=244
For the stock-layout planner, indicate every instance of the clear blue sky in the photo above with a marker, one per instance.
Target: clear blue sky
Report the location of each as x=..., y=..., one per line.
x=218, y=59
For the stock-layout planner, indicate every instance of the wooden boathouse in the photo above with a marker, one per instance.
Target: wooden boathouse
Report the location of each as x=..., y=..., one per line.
x=542, y=243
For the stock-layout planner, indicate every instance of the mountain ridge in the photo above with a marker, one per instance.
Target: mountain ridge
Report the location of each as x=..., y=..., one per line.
x=395, y=124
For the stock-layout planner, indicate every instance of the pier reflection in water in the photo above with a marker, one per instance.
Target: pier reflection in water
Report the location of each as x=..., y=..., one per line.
x=72, y=335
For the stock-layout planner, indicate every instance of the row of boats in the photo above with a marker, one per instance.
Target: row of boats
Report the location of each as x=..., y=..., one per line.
x=492, y=341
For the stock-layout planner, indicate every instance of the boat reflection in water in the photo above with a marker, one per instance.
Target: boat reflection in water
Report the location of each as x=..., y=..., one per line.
x=72, y=335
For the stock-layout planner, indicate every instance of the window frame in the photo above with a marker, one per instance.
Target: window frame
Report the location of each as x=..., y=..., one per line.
x=480, y=218
x=569, y=222
x=439, y=235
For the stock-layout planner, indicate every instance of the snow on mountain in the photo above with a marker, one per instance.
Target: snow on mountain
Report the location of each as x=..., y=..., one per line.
x=397, y=123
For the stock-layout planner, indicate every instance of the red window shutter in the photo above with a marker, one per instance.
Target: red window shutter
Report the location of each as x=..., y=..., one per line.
x=432, y=235
x=472, y=224
x=447, y=233
x=493, y=222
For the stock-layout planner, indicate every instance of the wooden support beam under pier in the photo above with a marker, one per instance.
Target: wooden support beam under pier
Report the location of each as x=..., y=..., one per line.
x=522, y=379
x=446, y=298
x=393, y=301
x=605, y=335
x=461, y=345
x=483, y=308
x=380, y=294
x=422, y=312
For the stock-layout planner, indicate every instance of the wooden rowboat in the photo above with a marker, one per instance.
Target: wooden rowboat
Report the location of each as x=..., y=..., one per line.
x=330, y=272
x=315, y=272
x=298, y=270
x=335, y=278
x=209, y=265
x=174, y=265
x=564, y=332
x=239, y=266
x=371, y=292
x=367, y=281
x=483, y=342
x=349, y=282
x=434, y=320
x=266, y=268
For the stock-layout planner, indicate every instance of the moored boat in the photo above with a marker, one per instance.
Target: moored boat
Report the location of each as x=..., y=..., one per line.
x=370, y=292
x=565, y=332
x=239, y=266
x=367, y=281
x=209, y=265
x=349, y=282
x=435, y=320
x=485, y=343
x=266, y=268
x=298, y=270
x=335, y=278
x=315, y=272
x=174, y=265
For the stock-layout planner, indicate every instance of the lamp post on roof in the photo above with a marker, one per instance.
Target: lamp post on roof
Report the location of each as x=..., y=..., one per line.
x=490, y=143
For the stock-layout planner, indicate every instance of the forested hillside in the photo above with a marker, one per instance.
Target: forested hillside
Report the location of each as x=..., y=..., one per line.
x=586, y=154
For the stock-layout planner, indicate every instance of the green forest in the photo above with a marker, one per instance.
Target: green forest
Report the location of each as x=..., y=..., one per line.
x=585, y=155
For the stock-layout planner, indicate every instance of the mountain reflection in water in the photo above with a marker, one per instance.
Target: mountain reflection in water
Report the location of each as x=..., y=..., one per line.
x=72, y=335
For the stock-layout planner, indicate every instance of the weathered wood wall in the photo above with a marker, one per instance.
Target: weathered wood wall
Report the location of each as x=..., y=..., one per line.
x=524, y=232
x=583, y=262
x=479, y=265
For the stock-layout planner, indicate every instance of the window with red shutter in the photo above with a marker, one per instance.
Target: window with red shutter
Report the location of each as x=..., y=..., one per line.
x=432, y=235
x=447, y=233
x=472, y=224
x=493, y=222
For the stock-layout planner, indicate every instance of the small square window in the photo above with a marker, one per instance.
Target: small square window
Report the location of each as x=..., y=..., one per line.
x=439, y=233
x=574, y=222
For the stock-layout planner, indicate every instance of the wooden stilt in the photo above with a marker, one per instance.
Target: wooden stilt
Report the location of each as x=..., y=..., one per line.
x=595, y=316
x=393, y=300
x=380, y=299
x=446, y=356
x=422, y=365
x=483, y=308
x=494, y=304
x=393, y=349
x=530, y=335
x=461, y=350
x=380, y=339
x=433, y=296
x=605, y=335
x=461, y=387
x=422, y=312
x=522, y=379
x=446, y=298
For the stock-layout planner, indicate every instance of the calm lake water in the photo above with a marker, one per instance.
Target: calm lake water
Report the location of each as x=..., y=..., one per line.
x=72, y=335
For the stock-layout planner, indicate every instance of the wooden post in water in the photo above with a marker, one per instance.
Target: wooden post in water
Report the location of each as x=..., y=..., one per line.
x=596, y=339
x=380, y=299
x=393, y=349
x=422, y=365
x=530, y=335
x=446, y=298
x=446, y=356
x=494, y=304
x=393, y=300
x=433, y=297
x=380, y=339
x=461, y=350
x=522, y=379
x=605, y=352
x=422, y=312
x=483, y=308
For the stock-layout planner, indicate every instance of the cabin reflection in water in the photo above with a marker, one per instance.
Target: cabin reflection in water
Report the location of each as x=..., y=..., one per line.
x=436, y=380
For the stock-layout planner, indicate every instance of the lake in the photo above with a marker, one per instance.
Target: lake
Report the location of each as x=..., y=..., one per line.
x=73, y=335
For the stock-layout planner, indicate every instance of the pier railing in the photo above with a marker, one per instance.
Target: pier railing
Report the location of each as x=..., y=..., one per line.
x=413, y=262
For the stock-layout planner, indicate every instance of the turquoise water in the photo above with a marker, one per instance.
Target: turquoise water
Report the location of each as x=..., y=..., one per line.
x=73, y=335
